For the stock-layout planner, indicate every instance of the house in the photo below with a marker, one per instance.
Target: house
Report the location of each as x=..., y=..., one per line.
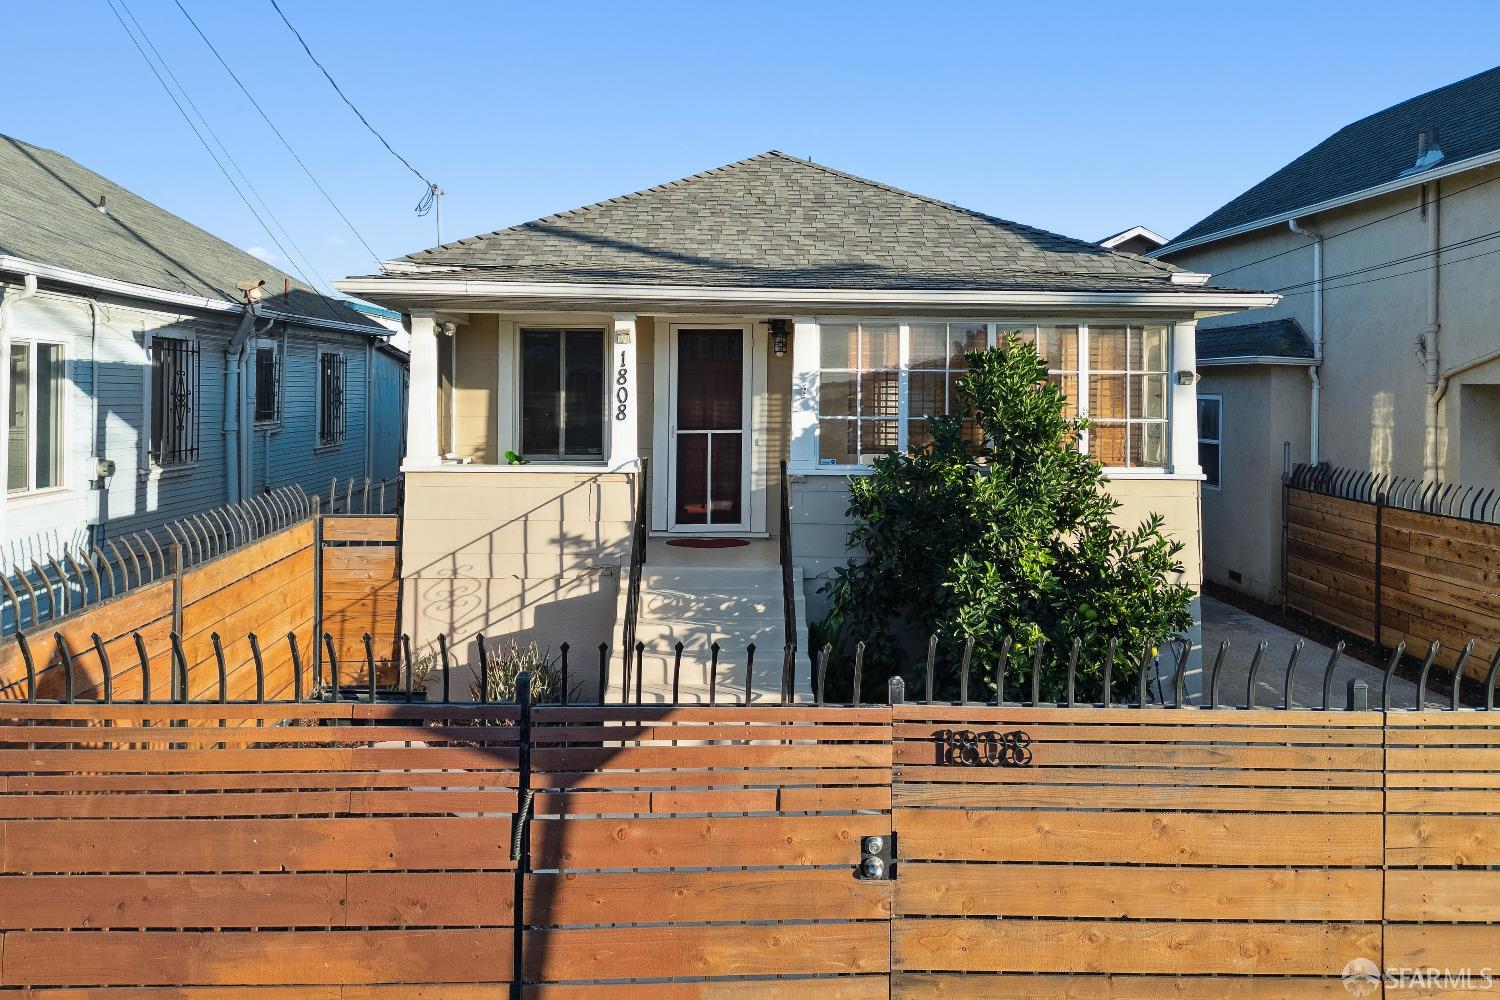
x=1382, y=353
x=688, y=340
x=1136, y=239
x=143, y=385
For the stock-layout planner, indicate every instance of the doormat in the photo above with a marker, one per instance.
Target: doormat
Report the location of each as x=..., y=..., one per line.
x=708, y=543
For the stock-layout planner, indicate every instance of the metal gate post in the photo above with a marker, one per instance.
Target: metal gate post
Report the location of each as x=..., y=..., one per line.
x=521, y=839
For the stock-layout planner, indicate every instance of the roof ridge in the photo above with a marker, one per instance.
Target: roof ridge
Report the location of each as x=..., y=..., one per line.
x=778, y=155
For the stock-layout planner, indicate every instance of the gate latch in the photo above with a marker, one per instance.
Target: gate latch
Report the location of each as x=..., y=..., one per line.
x=877, y=860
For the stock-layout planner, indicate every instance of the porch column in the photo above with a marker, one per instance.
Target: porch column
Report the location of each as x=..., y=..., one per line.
x=1184, y=425
x=806, y=359
x=624, y=440
x=422, y=393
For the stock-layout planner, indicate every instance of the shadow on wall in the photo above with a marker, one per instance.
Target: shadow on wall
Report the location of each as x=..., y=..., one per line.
x=532, y=564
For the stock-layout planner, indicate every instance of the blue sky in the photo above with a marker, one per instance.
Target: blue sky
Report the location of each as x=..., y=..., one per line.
x=1082, y=118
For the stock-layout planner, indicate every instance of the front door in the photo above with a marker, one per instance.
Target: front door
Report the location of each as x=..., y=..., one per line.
x=710, y=463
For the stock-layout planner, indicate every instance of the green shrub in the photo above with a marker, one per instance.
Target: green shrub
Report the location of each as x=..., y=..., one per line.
x=1005, y=533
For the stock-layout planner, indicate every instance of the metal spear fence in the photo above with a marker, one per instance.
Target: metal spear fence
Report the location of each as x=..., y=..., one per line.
x=1424, y=496
x=1161, y=680
x=57, y=585
x=364, y=496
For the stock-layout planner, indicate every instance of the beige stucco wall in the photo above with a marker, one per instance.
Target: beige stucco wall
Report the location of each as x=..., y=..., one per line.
x=476, y=396
x=820, y=525
x=1374, y=406
x=514, y=553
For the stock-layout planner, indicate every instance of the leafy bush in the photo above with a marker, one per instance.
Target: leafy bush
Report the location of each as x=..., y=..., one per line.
x=1003, y=533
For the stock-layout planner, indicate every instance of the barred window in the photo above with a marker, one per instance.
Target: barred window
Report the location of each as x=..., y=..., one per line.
x=174, y=401
x=267, y=384
x=331, y=414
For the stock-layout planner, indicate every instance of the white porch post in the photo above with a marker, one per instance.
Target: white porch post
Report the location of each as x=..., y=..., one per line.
x=1184, y=425
x=624, y=440
x=422, y=393
x=806, y=359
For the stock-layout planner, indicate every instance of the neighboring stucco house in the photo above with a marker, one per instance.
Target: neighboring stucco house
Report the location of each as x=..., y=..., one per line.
x=772, y=310
x=1383, y=352
x=141, y=388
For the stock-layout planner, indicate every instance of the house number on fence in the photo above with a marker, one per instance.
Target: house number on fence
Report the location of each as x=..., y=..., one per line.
x=967, y=748
x=622, y=388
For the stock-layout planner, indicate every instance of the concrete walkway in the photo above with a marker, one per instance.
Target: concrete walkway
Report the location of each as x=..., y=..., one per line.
x=1244, y=631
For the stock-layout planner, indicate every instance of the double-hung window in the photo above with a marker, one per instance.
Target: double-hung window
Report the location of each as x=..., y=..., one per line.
x=174, y=401
x=881, y=382
x=1210, y=440
x=267, y=383
x=332, y=369
x=562, y=394
x=35, y=425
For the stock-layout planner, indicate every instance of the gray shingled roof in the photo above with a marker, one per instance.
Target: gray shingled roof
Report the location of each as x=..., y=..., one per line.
x=776, y=221
x=1372, y=151
x=1274, y=338
x=49, y=214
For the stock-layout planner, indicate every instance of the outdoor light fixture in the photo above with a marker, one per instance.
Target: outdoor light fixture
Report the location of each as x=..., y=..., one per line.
x=780, y=334
x=1186, y=377
x=622, y=335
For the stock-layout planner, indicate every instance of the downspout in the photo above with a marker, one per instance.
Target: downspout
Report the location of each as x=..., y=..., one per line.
x=28, y=289
x=1428, y=344
x=1314, y=370
x=97, y=444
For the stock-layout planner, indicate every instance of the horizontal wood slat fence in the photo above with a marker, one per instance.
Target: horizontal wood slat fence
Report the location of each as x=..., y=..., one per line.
x=373, y=851
x=1390, y=574
x=246, y=623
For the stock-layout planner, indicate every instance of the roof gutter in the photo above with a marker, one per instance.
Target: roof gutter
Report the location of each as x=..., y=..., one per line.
x=1399, y=184
x=1257, y=359
x=421, y=289
x=21, y=265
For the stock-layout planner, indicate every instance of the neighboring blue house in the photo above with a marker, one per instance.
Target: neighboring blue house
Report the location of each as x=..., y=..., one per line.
x=141, y=386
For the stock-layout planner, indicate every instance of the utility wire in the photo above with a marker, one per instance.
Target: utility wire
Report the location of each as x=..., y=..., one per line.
x=1355, y=229
x=1393, y=262
x=423, y=206
x=1402, y=274
x=207, y=148
x=227, y=155
x=272, y=125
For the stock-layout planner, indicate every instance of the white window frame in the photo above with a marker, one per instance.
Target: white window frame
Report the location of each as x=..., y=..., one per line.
x=1217, y=483
x=275, y=346
x=64, y=405
x=319, y=445
x=814, y=379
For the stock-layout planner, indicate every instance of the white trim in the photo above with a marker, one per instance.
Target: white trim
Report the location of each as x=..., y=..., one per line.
x=127, y=288
x=1389, y=187
x=747, y=432
x=568, y=468
x=1258, y=359
x=417, y=289
x=622, y=400
x=1110, y=242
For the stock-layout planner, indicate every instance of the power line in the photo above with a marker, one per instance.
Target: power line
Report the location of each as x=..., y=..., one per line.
x=206, y=147
x=272, y=125
x=1403, y=274
x=1355, y=229
x=1393, y=262
x=229, y=156
x=423, y=206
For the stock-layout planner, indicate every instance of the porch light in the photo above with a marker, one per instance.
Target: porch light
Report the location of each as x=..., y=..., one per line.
x=622, y=334
x=780, y=335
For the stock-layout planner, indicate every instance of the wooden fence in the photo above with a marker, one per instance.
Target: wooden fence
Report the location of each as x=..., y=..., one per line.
x=343, y=851
x=1392, y=575
x=326, y=573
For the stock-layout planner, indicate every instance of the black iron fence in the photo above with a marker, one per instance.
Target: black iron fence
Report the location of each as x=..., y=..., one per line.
x=60, y=584
x=364, y=496
x=431, y=675
x=639, y=535
x=1426, y=496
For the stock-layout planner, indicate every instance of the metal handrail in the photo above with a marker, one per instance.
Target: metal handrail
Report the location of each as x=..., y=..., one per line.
x=788, y=598
x=637, y=562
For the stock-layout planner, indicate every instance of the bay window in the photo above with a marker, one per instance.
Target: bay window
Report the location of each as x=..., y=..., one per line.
x=34, y=426
x=881, y=382
x=562, y=394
